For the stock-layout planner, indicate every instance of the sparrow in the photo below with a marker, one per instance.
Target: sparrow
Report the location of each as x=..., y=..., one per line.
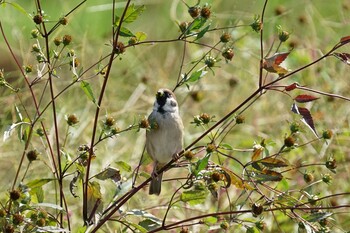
x=165, y=138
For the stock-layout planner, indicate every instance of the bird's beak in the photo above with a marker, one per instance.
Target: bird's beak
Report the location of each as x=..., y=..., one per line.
x=159, y=94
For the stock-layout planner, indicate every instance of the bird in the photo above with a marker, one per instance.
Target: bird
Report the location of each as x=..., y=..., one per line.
x=164, y=139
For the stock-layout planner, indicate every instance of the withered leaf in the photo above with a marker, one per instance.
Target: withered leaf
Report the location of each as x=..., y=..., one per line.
x=273, y=162
x=307, y=118
x=272, y=64
x=344, y=57
x=269, y=175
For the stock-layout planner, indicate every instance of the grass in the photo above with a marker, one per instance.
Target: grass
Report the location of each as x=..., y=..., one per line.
x=315, y=28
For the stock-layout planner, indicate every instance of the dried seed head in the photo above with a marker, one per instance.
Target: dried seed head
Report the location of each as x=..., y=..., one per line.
x=289, y=141
x=109, y=122
x=144, y=123
x=17, y=219
x=206, y=12
x=194, y=11
x=32, y=155
x=57, y=41
x=183, y=26
x=308, y=177
x=119, y=47
x=331, y=164
x=72, y=119
x=38, y=19
x=240, y=119
x=63, y=21
x=225, y=37
x=211, y=148
x=228, y=54
x=66, y=40
x=189, y=155
x=216, y=176
x=15, y=194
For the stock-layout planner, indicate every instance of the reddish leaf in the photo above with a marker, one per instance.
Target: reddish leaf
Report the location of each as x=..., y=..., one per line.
x=272, y=64
x=344, y=57
x=305, y=98
x=292, y=86
x=307, y=118
x=257, y=153
x=345, y=40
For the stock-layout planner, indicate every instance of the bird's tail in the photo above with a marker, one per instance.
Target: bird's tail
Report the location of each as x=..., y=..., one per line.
x=156, y=185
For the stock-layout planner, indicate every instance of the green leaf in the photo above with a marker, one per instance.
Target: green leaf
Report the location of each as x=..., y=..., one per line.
x=140, y=36
x=124, y=166
x=94, y=198
x=49, y=205
x=125, y=32
x=316, y=217
x=81, y=229
x=201, y=33
x=85, y=86
x=201, y=164
x=144, y=214
x=19, y=8
x=194, y=197
x=226, y=146
x=38, y=183
x=149, y=225
x=138, y=227
x=196, y=75
x=197, y=24
x=210, y=220
x=24, y=130
x=38, y=193
x=132, y=13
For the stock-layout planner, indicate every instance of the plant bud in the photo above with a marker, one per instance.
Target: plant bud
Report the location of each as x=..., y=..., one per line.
x=209, y=61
